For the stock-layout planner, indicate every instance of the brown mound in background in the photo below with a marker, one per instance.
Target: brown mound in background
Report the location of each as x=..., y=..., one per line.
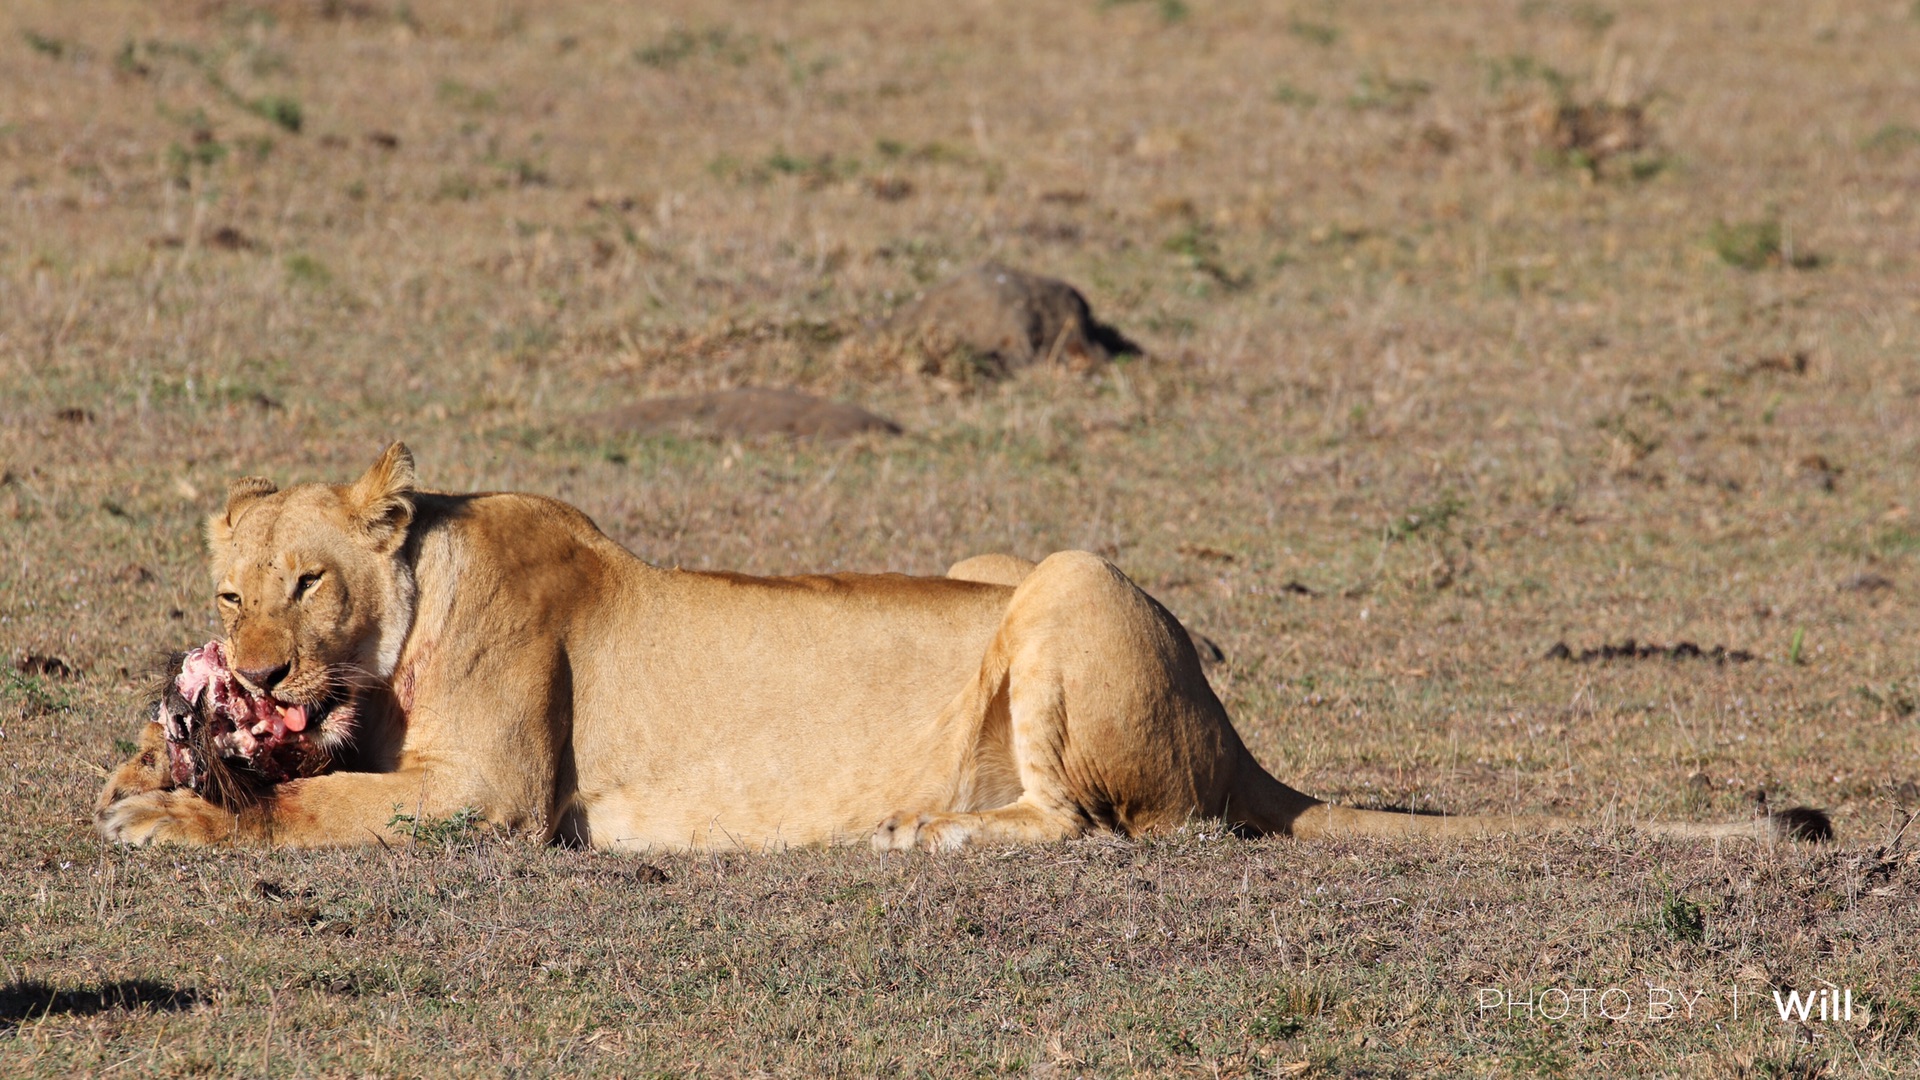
x=987, y=323
x=744, y=412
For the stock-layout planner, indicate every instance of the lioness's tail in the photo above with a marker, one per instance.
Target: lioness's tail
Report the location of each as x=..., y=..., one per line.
x=1262, y=804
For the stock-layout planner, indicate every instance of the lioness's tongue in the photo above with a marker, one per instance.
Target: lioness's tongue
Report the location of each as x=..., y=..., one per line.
x=295, y=717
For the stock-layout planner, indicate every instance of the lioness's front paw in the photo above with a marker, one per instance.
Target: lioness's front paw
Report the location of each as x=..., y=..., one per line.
x=148, y=770
x=164, y=817
x=928, y=832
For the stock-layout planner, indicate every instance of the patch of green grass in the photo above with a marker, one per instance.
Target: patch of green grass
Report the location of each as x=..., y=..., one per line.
x=713, y=43
x=1591, y=17
x=282, y=110
x=257, y=148
x=1682, y=919
x=1894, y=699
x=1892, y=541
x=1522, y=69
x=786, y=164
x=1642, y=167
x=523, y=172
x=1892, y=138
x=51, y=47
x=201, y=152
x=1594, y=18
x=463, y=826
x=1313, y=33
x=1378, y=90
x=525, y=342
x=467, y=98
x=304, y=269
x=1757, y=245
x=1199, y=248
x=1429, y=519
x=1289, y=94
x=1171, y=11
x=31, y=694
x=457, y=187
x=815, y=171
x=1749, y=245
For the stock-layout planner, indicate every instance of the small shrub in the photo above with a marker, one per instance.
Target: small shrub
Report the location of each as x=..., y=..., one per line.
x=1749, y=245
x=1682, y=919
x=1171, y=11
x=1593, y=17
x=51, y=47
x=678, y=44
x=1313, y=33
x=284, y=111
x=1289, y=94
x=33, y=696
x=524, y=172
x=1891, y=139
x=461, y=96
x=463, y=825
x=304, y=269
x=1520, y=69
x=459, y=187
x=1376, y=90
x=1433, y=518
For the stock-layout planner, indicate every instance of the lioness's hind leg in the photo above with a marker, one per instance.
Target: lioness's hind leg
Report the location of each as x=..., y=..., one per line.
x=1046, y=808
x=1110, y=723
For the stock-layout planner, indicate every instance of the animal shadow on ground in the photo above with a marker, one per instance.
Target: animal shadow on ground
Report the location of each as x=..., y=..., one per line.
x=31, y=999
x=747, y=412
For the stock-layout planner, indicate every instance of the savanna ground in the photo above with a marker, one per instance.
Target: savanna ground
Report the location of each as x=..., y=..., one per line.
x=1473, y=329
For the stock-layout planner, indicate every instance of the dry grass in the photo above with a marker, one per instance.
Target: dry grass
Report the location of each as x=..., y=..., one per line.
x=1434, y=336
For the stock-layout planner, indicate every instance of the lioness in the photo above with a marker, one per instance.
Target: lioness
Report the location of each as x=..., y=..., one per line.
x=497, y=652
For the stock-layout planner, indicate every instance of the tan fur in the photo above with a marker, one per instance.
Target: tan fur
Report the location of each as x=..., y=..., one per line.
x=510, y=658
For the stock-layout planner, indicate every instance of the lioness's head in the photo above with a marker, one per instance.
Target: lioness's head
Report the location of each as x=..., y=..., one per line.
x=312, y=587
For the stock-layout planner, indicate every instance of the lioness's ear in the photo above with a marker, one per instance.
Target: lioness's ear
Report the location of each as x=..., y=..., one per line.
x=240, y=494
x=381, y=502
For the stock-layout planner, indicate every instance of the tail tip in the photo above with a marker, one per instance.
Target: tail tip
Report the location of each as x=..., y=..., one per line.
x=1801, y=823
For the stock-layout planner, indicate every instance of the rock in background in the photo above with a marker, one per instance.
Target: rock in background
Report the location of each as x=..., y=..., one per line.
x=986, y=324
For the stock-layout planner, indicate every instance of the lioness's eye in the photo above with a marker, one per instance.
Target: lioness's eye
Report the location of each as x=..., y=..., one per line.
x=229, y=598
x=305, y=585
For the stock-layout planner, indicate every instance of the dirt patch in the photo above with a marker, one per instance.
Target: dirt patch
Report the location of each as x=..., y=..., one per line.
x=744, y=412
x=988, y=323
x=1630, y=649
x=228, y=238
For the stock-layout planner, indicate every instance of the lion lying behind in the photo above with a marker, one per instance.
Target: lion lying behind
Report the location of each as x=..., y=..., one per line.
x=497, y=652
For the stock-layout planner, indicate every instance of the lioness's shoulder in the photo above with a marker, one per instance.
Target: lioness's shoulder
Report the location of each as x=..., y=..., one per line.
x=502, y=517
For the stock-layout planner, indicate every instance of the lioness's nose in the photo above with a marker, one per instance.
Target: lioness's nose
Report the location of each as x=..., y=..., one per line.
x=264, y=678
